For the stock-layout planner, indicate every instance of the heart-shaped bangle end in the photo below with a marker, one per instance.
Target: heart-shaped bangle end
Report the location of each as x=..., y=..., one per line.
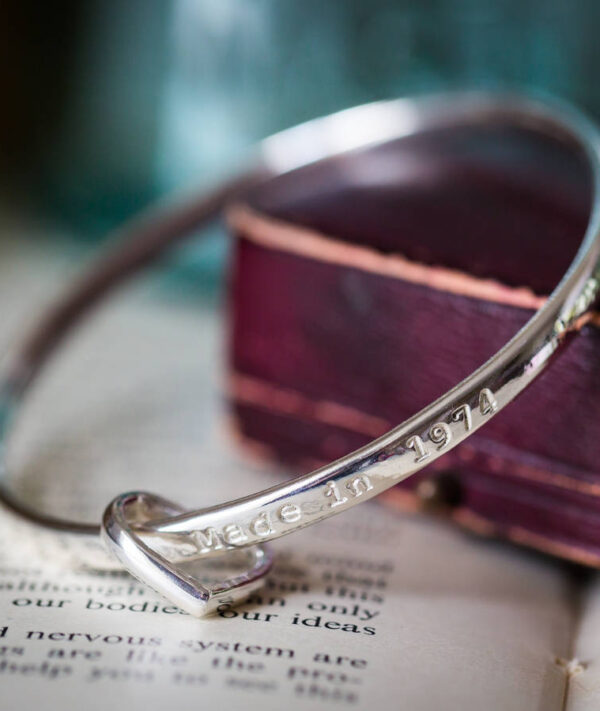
x=166, y=577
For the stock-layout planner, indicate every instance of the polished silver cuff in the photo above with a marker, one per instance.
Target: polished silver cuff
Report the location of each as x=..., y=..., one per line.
x=155, y=539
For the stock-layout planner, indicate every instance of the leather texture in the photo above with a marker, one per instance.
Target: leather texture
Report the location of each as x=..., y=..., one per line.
x=363, y=288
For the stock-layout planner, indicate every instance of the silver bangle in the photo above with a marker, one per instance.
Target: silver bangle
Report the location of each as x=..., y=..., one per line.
x=151, y=537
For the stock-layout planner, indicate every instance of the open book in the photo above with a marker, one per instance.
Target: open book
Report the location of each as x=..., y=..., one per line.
x=368, y=610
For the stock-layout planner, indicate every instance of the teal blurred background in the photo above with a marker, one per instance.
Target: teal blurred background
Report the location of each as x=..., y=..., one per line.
x=108, y=104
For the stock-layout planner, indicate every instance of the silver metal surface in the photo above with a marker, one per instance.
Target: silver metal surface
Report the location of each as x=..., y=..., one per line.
x=413, y=444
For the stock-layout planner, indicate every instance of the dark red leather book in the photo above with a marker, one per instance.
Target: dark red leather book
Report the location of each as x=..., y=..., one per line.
x=364, y=287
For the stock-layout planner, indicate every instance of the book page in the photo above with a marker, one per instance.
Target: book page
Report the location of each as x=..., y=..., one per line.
x=583, y=669
x=370, y=609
